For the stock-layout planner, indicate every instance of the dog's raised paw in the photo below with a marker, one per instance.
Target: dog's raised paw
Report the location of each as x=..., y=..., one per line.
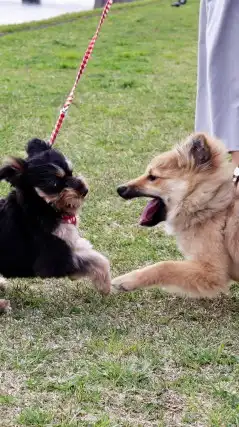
x=5, y=306
x=117, y=287
x=122, y=284
x=105, y=288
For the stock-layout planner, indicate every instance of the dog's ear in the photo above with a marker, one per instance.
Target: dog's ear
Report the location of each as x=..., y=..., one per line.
x=200, y=150
x=36, y=146
x=13, y=170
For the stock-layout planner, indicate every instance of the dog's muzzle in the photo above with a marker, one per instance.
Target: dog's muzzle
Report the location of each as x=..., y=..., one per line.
x=129, y=192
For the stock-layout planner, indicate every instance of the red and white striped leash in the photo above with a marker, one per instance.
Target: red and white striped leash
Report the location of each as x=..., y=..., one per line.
x=82, y=67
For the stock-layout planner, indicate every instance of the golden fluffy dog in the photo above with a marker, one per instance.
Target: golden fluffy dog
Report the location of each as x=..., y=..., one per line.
x=192, y=190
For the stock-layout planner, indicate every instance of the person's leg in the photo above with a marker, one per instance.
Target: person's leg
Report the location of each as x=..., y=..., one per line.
x=235, y=157
x=223, y=66
x=202, y=116
x=218, y=78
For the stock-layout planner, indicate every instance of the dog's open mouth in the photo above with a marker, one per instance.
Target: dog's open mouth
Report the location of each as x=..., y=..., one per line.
x=72, y=207
x=153, y=213
x=68, y=205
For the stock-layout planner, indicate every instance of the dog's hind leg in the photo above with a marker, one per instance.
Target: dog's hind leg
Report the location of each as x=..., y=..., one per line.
x=5, y=306
x=192, y=278
x=3, y=283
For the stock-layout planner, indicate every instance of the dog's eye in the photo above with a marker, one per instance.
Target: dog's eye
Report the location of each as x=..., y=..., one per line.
x=152, y=177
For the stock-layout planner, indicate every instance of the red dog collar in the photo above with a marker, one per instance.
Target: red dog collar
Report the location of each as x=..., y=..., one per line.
x=69, y=219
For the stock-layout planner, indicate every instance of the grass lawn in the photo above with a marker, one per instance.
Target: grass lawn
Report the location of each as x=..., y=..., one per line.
x=68, y=356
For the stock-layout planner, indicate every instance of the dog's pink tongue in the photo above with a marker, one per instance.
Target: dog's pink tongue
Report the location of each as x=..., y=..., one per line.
x=149, y=211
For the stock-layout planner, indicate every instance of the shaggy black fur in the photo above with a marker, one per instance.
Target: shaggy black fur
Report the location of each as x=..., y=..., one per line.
x=27, y=246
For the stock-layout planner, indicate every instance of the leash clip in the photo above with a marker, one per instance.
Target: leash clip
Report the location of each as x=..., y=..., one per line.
x=236, y=175
x=64, y=110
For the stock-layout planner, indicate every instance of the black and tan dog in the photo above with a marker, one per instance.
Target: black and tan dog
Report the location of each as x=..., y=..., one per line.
x=38, y=236
x=192, y=191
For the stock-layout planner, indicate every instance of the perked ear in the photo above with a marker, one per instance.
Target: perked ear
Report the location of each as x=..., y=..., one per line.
x=36, y=146
x=200, y=150
x=12, y=170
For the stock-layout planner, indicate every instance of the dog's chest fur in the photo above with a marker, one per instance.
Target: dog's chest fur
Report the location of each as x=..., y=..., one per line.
x=70, y=234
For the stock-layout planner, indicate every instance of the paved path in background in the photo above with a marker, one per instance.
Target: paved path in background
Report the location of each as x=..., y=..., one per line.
x=14, y=12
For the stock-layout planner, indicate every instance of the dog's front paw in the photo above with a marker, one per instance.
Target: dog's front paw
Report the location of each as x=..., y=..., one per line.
x=125, y=283
x=102, y=281
x=104, y=286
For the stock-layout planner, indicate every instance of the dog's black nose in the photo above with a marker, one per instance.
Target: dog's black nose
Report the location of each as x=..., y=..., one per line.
x=84, y=192
x=80, y=186
x=129, y=192
x=122, y=190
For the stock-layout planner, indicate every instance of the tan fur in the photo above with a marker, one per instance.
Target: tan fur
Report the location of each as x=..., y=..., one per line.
x=203, y=215
x=68, y=201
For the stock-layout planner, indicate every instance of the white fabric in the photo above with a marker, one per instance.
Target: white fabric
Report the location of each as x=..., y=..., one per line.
x=217, y=106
